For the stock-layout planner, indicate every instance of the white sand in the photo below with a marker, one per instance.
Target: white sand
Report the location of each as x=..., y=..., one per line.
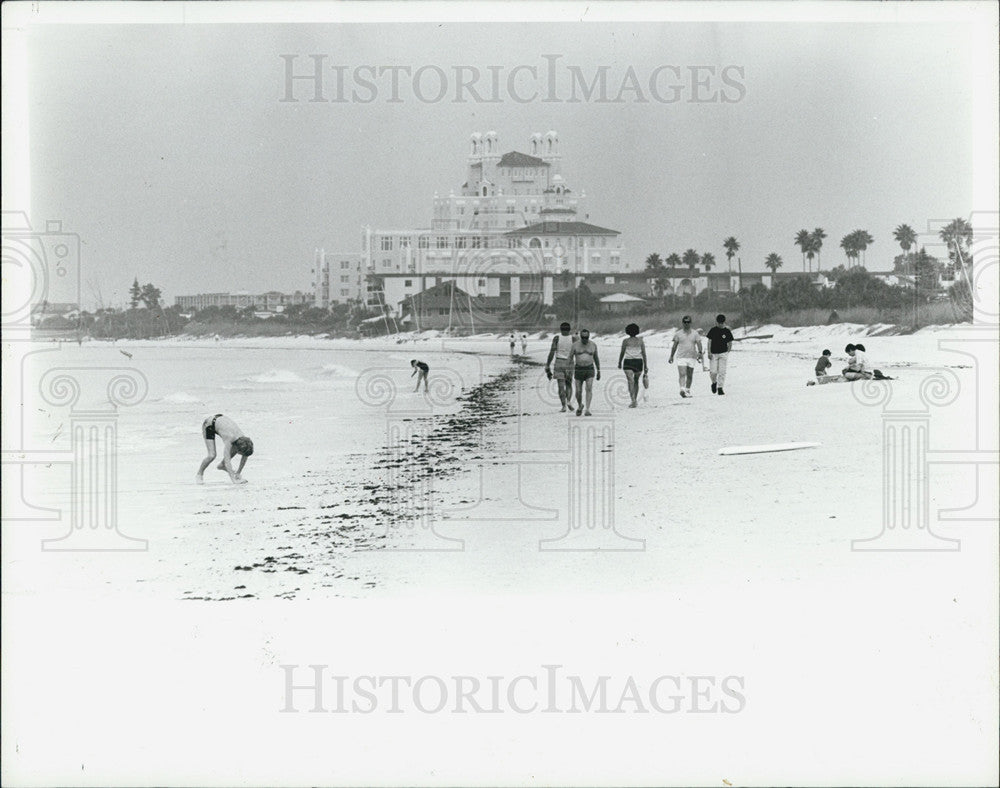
x=747, y=568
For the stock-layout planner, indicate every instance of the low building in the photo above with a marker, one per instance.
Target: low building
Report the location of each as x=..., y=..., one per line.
x=46, y=309
x=620, y=302
x=271, y=301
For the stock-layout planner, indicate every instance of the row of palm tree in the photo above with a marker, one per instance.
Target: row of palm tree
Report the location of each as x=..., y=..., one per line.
x=957, y=235
x=690, y=260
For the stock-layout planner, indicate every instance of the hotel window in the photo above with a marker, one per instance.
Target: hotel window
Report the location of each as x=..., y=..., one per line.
x=615, y=260
x=344, y=265
x=345, y=279
x=460, y=242
x=477, y=242
x=442, y=242
x=407, y=283
x=386, y=262
x=387, y=244
x=510, y=209
x=604, y=242
x=404, y=243
x=423, y=242
x=343, y=292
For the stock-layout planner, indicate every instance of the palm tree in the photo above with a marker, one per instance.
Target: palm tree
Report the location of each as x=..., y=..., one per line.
x=905, y=237
x=774, y=262
x=847, y=244
x=691, y=259
x=957, y=234
x=732, y=246
x=673, y=260
x=707, y=261
x=817, y=243
x=653, y=263
x=802, y=241
x=862, y=240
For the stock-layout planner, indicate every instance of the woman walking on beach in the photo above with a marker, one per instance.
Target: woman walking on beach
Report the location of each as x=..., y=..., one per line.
x=632, y=359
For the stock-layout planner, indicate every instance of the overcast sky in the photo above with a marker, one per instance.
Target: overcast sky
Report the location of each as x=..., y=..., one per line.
x=169, y=150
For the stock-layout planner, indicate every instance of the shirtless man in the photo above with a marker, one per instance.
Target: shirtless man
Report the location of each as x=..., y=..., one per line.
x=420, y=369
x=562, y=346
x=233, y=442
x=687, y=347
x=586, y=367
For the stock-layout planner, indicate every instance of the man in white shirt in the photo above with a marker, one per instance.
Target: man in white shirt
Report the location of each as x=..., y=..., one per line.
x=562, y=346
x=687, y=347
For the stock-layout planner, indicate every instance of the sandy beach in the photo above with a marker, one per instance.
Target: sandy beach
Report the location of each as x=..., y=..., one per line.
x=478, y=529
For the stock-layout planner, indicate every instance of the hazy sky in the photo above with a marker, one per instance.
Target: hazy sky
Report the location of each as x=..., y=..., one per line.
x=168, y=150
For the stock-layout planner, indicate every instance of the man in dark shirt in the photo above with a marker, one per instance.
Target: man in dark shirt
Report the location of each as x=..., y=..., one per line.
x=720, y=342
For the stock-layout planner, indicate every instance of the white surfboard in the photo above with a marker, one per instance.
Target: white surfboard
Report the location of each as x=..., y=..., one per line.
x=766, y=448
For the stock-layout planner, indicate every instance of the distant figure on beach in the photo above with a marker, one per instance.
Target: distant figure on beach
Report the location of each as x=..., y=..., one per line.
x=632, y=359
x=686, y=346
x=833, y=318
x=233, y=442
x=720, y=342
x=420, y=369
x=586, y=367
x=216, y=337
x=823, y=363
x=859, y=367
x=561, y=351
x=513, y=341
x=524, y=344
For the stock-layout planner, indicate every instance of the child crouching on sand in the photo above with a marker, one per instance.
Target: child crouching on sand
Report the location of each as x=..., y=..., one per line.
x=823, y=363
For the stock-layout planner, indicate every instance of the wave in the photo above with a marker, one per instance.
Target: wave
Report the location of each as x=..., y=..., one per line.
x=275, y=376
x=180, y=398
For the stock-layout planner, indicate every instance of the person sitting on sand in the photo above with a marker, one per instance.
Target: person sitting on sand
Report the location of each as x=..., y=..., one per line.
x=687, y=347
x=632, y=359
x=233, y=442
x=586, y=367
x=859, y=367
x=823, y=363
x=420, y=369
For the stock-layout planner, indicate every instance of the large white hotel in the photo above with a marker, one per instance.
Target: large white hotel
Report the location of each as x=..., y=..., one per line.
x=510, y=229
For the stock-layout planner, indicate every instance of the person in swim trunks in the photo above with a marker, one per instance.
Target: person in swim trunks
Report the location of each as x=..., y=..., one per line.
x=562, y=346
x=420, y=369
x=586, y=368
x=632, y=359
x=233, y=442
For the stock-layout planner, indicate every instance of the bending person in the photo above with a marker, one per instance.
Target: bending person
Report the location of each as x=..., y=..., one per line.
x=233, y=442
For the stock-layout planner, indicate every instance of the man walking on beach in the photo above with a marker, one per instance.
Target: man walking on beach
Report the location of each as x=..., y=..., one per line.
x=561, y=350
x=513, y=341
x=687, y=347
x=586, y=367
x=233, y=442
x=524, y=344
x=720, y=342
